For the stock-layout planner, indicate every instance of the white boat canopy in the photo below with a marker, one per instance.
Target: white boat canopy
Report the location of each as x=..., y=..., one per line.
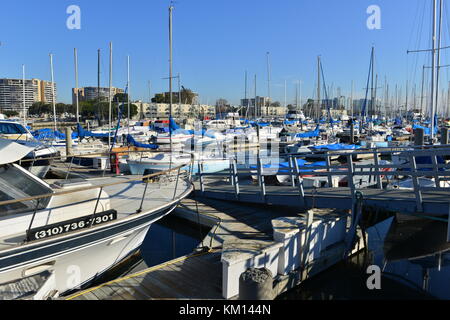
x=11, y=151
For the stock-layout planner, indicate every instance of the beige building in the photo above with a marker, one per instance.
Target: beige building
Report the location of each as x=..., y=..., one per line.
x=262, y=109
x=273, y=111
x=183, y=111
x=93, y=93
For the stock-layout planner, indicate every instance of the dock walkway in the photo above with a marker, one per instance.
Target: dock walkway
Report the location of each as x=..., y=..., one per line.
x=196, y=276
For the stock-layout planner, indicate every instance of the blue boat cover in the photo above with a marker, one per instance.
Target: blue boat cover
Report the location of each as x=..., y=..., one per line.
x=133, y=142
x=173, y=125
x=85, y=133
x=300, y=162
x=49, y=134
x=336, y=146
x=309, y=134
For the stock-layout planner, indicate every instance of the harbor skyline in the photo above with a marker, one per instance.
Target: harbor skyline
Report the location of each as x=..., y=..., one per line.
x=213, y=62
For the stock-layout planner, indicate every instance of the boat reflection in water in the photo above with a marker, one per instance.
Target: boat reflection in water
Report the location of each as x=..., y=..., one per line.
x=414, y=258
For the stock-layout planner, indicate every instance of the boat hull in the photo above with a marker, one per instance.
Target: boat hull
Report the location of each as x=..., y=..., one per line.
x=75, y=260
x=138, y=168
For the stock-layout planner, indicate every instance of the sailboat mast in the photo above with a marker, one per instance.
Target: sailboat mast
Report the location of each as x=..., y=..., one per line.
x=170, y=74
x=372, y=106
x=53, y=91
x=256, y=102
x=76, y=84
x=433, y=69
x=318, y=88
x=351, y=100
x=179, y=93
x=246, y=99
x=100, y=113
x=128, y=93
x=300, y=94
x=438, y=66
x=110, y=92
x=24, y=102
x=421, y=94
x=268, y=83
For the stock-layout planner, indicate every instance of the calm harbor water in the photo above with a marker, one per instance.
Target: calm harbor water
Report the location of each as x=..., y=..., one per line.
x=170, y=238
x=414, y=258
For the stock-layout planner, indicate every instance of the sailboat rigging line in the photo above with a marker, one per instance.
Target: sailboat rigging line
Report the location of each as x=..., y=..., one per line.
x=119, y=117
x=363, y=109
x=326, y=95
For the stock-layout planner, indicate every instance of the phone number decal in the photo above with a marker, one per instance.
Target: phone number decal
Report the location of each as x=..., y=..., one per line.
x=71, y=225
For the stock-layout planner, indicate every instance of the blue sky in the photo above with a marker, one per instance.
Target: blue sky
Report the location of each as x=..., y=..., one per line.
x=215, y=41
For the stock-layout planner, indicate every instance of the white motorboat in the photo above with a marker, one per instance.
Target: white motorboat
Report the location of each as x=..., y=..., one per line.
x=165, y=161
x=57, y=238
x=39, y=159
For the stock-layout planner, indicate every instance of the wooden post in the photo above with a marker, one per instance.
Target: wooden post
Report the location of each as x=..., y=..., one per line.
x=419, y=137
x=444, y=136
x=68, y=141
x=352, y=132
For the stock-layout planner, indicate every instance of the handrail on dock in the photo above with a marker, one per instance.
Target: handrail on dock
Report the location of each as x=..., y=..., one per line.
x=351, y=170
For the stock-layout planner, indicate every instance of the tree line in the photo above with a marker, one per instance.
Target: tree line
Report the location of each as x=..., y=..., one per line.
x=88, y=109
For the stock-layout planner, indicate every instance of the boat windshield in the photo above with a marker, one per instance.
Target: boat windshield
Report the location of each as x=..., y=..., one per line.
x=12, y=128
x=16, y=184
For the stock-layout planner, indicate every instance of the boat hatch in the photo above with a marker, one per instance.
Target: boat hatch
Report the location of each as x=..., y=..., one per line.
x=73, y=183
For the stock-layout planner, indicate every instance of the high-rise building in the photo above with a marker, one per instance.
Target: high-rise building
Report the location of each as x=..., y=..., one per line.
x=93, y=93
x=12, y=93
x=262, y=107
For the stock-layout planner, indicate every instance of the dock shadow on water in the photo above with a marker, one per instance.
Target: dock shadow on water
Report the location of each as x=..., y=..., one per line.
x=167, y=239
x=414, y=259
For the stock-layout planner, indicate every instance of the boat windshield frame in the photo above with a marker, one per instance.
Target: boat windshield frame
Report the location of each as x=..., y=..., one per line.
x=17, y=183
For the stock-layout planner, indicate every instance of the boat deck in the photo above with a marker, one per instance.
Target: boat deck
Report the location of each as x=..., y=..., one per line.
x=126, y=198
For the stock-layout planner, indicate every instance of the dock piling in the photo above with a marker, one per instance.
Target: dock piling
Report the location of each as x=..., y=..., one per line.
x=256, y=284
x=68, y=141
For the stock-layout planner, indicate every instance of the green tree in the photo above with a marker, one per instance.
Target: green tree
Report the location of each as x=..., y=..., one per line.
x=275, y=104
x=10, y=113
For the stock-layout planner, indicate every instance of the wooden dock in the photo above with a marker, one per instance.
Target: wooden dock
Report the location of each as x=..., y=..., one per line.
x=199, y=275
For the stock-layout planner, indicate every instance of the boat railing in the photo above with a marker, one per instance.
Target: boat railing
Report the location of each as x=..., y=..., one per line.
x=358, y=175
x=147, y=179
